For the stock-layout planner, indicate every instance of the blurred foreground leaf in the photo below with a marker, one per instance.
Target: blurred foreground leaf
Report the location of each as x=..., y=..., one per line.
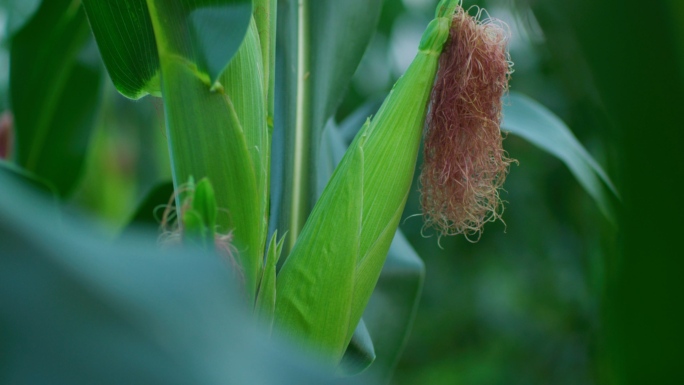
x=78, y=310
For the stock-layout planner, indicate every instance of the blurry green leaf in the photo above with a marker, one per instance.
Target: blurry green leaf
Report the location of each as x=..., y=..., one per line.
x=76, y=309
x=360, y=353
x=205, y=32
x=532, y=121
x=18, y=13
x=55, y=91
x=322, y=43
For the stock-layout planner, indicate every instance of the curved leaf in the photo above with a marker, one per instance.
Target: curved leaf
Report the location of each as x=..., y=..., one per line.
x=205, y=32
x=55, y=88
x=124, y=34
x=532, y=121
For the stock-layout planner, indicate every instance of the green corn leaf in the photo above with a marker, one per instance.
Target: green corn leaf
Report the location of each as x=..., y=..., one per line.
x=18, y=13
x=205, y=32
x=207, y=140
x=128, y=47
x=216, y=119
x=55, y=84
x=323, y=42
x=326, y=282
x=242, y=83
x=532, y=121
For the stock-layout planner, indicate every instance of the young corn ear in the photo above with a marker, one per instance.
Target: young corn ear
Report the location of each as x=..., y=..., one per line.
x=465, y=164
x=326, y=282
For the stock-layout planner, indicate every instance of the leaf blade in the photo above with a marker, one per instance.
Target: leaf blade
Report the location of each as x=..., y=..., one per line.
x=530, y=120
x=55, y=90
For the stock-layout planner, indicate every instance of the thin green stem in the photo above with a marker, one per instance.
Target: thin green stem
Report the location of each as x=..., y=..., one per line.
x=302, y=137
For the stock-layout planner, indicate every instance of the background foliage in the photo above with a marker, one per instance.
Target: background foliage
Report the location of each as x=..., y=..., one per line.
x=559, y=294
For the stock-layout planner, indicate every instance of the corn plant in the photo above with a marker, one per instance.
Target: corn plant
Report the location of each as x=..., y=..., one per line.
x=249, y=89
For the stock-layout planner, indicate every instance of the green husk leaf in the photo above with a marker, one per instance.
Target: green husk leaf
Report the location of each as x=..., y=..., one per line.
x=388, y=318
x=315, y=273
x=217, y=130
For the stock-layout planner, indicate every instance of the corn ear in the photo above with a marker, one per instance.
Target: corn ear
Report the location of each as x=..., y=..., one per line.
x=326, y=282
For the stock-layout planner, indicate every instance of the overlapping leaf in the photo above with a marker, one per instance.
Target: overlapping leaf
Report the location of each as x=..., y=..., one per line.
x=205, y=32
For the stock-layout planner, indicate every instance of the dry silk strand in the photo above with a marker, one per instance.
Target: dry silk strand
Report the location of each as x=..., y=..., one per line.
x=465, y=164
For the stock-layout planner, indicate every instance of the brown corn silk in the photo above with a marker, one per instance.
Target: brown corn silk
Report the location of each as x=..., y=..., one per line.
x=465, y=164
